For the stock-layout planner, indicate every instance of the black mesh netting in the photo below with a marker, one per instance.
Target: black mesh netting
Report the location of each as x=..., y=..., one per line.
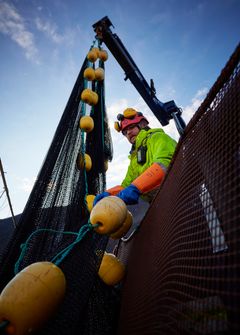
x=184, y=267
x=57, y=202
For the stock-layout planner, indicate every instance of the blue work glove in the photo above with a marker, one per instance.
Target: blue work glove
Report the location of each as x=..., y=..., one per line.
x=129, y=195
x=100, y=196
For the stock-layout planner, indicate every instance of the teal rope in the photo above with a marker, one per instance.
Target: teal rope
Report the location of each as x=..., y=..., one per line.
x=102, y=108
x=82, y=232
x=86, y=185
x=83, y=147
x=93, y=43
x=85, y=85
x=62, y=254
x=83, y=150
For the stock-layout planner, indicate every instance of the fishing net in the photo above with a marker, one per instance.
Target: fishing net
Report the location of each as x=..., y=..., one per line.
x=57, y=205
x=184, y=267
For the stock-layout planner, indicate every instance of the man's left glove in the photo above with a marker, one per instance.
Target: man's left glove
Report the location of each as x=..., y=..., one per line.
x=147, y=181
x=129, y=195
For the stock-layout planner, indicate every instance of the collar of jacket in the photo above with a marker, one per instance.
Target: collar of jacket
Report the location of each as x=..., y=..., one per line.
x=142, y=135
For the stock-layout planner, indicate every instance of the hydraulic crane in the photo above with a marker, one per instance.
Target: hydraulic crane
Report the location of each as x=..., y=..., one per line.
x=163, y=111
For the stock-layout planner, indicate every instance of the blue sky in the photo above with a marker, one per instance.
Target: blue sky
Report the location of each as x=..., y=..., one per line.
x=183, y=45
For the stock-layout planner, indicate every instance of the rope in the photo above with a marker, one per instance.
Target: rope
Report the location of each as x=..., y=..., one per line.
x=83, y=112
x=102, y=109
x=83, y=150
x=62, y=254
x=82, y=232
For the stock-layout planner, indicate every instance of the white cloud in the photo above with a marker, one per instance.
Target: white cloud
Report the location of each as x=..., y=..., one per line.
x=115, y=109
x=26, y=184
x=188, y=112
x=12, y=24
x=50, y=29
x=196, y=101
x=120, y=105
x=117, y=168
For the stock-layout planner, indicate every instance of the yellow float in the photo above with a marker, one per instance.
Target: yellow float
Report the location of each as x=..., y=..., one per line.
x=86, y=96
x=89, y=200
x=124, y=228
x=32, y=297
x=103, y=55
x=80, y=162
x=105, y=165
x=111, y=270
x=86, y=123
x=99, y=74
x=89, y=97
x=109, y=213
x=96, y=50
x=94, y=98
x=92, y=56
x=89, y=74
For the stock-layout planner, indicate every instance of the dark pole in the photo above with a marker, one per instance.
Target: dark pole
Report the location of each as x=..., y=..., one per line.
x=7, y=193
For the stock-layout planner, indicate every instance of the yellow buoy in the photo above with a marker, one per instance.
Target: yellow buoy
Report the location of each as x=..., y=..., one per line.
x=105, y=165
x=89, y=73
x=111, y=270
x=89, y=96
x=109, y=213
x=84, y=159
x=95, y=49
x=32, y=297
x=103, y=55
x=124, y=228
x=86, y=123
x=92, y=56
x=89, y=200
x=99, y=74
x=95, y=98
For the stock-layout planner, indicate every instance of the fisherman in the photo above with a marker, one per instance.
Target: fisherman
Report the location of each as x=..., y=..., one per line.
x=150, y=155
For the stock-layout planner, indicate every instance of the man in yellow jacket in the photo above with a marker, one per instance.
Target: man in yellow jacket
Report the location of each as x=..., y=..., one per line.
x=150, y=155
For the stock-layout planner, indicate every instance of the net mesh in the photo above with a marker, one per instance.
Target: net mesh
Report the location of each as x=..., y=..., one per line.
x=184, y=268
x=183, y=272
x=57, y=202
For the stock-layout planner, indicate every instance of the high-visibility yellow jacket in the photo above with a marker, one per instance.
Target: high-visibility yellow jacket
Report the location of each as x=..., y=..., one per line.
x=160, y=149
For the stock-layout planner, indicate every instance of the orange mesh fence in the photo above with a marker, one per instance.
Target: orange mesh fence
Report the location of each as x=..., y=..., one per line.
x=184, y=268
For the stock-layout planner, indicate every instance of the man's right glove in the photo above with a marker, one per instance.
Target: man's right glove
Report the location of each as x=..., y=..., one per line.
x=100, y=196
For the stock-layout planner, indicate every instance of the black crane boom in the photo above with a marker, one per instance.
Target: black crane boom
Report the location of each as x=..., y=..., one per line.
x=163, y=111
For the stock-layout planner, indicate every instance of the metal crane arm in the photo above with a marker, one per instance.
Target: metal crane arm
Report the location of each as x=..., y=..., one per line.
x=163, y=111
